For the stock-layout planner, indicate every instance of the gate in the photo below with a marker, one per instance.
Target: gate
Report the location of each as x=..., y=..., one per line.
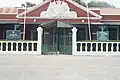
x=57, y=44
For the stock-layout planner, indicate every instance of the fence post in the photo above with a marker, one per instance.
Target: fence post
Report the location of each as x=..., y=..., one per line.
x=74, y=45
x=39, y=42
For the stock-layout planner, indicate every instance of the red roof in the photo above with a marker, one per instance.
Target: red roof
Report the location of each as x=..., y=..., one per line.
x=33, y=14
x=8, y=11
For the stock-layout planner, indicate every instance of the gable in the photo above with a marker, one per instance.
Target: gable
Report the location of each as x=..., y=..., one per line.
x=68, y=9
x=79, y=9
x=36, y=10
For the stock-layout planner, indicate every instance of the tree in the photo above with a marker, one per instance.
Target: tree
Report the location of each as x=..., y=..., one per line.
x=81, y=2
x=92, y=3
x=95, y=3
x=99, y=4
x=28, y=4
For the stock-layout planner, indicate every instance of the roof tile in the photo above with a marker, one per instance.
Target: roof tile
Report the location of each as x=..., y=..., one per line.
x=8, y=10
x=110, y=11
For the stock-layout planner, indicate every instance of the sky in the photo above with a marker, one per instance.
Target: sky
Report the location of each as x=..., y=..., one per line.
x=16, y=3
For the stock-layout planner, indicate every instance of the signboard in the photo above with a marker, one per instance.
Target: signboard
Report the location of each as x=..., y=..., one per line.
x=103, y=34
x=13, y=35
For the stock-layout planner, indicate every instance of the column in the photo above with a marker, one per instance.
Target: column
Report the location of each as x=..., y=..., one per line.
x=39, y=42
x=74, y=44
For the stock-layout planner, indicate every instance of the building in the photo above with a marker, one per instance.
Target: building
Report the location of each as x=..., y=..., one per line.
x=57, y=19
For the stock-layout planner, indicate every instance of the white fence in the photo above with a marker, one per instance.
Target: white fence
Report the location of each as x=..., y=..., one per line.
x=93, y=48
x=19, y=47
x=78, y=48
x=98, y=48
x=22, y=47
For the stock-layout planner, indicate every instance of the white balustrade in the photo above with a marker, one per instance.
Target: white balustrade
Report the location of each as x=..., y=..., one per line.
x=96, y=52
x=14, y=44
x=11, y=46
x=16, y=47
x=6, y=46
x=19, y=47
x=117, y=47
x=81, y=49
x=112, y=48
x=86, y=46
x=33, y=46
x=91, y=47
x=99, y=47
x=81, y=46
x=107, y=47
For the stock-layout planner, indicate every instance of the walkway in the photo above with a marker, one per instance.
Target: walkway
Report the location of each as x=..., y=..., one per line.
x=61, y=67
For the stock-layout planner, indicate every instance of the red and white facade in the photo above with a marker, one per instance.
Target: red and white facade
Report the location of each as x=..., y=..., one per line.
x=50, y=24
x=66, y=11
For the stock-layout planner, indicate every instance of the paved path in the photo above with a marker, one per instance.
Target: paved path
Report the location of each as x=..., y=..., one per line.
x=32, y=67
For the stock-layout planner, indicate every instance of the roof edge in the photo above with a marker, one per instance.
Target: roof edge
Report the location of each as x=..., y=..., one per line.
x=33, y=8
x=72, y=2
x=84, y=8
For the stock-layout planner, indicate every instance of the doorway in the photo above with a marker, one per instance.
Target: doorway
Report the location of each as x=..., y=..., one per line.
x=57, y=41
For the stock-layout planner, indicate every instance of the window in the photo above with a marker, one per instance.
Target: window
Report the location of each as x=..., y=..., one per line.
x=112, y=33
x=33, y=34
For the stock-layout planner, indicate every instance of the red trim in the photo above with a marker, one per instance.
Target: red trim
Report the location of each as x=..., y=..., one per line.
x=110, y=20
x=63, y=20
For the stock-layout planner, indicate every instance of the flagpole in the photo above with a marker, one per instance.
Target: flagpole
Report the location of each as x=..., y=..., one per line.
x=88, y=19
x=24, y=22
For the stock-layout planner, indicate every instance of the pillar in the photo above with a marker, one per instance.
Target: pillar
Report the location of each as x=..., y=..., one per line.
x=39, y=42
x=74, y=44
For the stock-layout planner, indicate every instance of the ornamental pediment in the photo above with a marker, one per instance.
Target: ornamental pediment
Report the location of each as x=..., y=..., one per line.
x=58, y=9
